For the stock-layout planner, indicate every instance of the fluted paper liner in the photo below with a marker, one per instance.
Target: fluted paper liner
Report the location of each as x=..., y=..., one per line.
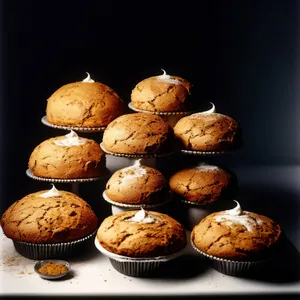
x=137, y=206
x=75, y=128
x=231, y=267
x=160, y=113
x=136, y=266
x=148, y=155
x=105, y=174
x=39, y=251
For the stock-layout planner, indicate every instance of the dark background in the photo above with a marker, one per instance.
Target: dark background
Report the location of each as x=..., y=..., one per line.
x=241, y=55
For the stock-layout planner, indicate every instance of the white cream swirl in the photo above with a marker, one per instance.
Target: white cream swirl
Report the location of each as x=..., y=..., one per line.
x=209, y=111
x=88, y=78
x=53, y=192
x=238, y=216
x=141, y=217
x=167, y=78
x=134, y=171
x=206, y=167
x=72, y=139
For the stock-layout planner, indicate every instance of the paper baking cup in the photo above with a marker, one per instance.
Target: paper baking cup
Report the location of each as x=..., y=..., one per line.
x=204, y=153
x=54, y=250
x=232, y=267
x=29, y=173
x=171, y=117
x=161, y=113
x=136, y=266
x=148, y=155
x=118, y=207
x=75, y=128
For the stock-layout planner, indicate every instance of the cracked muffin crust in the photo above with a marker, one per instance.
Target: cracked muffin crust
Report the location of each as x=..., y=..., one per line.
x=35, y=219
x=138, y=133
x=208, y=132
x=76, y=161
x=119, y=235
x=137, y=185
x=84, y=104
x=153, y=94
x=203, y=185
x=231, y=240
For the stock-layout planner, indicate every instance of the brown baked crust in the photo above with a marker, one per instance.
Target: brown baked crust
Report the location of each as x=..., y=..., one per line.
x=234, y=241
x=52, y=161
x=164, y=237
x=35, y=219
x=138, y=133
x=84, y=104
x=153, y=94
x=208, y=132
x=202, y=186
x=148, y=188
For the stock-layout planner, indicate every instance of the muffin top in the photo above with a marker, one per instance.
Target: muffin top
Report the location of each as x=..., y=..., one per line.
x=163, y=93
x=208, y=131
x=137, y=184
x=138, y=133
x=85, y=104
x=141, y=234
x=202, y=184
x=49, y=217
x=68, y=156
x=235, y=234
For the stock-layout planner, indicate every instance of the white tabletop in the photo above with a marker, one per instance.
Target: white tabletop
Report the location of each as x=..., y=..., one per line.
x=92, y=274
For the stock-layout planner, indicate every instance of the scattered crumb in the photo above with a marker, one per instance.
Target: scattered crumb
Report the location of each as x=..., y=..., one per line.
x=21, y=272
x=105, y=280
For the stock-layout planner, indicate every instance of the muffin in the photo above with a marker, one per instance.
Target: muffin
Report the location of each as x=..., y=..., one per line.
x=208, y=131
x=67, y=157
x=49, y=224
x=201, y=190
x=84, y=104
x=139, y=241
x=163, y=93
x=236, y=241
x=138, y=133
x=137, y=186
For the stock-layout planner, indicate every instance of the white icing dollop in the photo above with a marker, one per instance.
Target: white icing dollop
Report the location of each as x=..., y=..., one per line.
x=88, y=78
x=141, y=217
x=167, y=78
x=210, y=111
x=72, y=139
x=207, y=167
x=238, y=216
x=135, y=171
x=53, y=192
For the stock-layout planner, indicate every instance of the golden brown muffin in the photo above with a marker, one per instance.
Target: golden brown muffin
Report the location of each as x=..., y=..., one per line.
x=137, y=184
x=235, y=234
x=84, y=104
x=208, y=132
x=138, y=133
x=163, y=93
x=203, y=184
x=122, y=235
x=59, y=218
x=67, y=157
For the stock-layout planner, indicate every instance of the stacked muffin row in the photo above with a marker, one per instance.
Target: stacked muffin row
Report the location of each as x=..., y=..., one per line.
x=52, y=223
